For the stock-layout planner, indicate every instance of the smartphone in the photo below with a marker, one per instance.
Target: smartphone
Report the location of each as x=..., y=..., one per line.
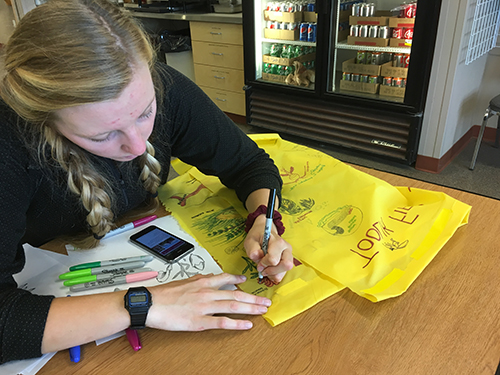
x=162, y=244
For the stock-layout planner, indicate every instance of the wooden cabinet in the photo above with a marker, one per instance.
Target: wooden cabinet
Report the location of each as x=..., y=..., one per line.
x=218, y=63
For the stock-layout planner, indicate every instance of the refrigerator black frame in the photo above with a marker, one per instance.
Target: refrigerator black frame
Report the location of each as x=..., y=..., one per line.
x=426, y=26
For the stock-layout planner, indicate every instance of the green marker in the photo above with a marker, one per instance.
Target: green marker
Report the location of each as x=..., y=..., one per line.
x=101, y=270
x=111, y=262
x=107, y=276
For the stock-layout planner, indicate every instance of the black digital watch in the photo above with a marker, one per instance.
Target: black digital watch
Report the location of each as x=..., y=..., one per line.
x=137, y=302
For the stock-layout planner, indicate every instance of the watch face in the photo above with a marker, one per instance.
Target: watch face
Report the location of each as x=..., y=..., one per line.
x=138, y=299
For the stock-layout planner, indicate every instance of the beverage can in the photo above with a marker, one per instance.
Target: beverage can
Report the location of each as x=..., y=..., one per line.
x=311, y=32
x=354, y=30
x=384, y=32
x=355, y=77
x=311, y=7
x=373, y=79
x=363, y=31
x=397, y=60
x=346, y=76
x=355, y=10
x=408, y=33
x=364, y=10
x=403, y=82
x=387, y=81
x=274, y=68
x=266, y=68
x=371, y=10
x=282, y=70
x=406, y=60
x=369, y=56
x=361, y=57
x=397, y=32
x=373, y=31
x=376, y=58
x=304, y=26
x=397, y=81
x=289, y=70
x=363, y=78
x=408, y=8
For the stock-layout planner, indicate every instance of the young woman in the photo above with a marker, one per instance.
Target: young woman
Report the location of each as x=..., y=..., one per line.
x=89, y=122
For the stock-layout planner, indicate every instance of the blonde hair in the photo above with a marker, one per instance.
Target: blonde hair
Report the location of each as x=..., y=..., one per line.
x=67, y=53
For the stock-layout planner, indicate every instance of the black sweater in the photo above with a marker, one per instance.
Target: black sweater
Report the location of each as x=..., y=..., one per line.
x=36, y=206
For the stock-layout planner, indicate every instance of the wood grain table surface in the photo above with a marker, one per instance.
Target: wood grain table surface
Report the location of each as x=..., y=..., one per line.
x=448, y=322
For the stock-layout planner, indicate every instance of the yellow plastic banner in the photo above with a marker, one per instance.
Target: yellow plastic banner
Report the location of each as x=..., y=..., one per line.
x=347, y=228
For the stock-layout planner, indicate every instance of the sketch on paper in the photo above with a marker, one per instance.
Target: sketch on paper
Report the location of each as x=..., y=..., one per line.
x=186, y=267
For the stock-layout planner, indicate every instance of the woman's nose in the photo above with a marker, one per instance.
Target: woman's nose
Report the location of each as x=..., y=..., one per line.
x=134, y=143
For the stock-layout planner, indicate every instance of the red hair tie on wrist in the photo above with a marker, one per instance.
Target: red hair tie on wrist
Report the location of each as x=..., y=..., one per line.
x=262, y=210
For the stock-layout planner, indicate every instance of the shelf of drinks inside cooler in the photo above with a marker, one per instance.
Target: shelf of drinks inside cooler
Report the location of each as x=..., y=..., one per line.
x=344, y=45
x=284, y=41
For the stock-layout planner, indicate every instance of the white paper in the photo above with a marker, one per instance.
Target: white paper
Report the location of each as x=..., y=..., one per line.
x=41, y=275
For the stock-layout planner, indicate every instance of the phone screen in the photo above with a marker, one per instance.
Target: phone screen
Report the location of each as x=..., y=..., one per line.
x=161, y=243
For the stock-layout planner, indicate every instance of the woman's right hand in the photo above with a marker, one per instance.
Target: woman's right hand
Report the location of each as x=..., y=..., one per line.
x=190, y=305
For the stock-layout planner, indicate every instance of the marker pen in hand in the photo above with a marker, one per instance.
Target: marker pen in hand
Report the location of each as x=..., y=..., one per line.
x=269, y=222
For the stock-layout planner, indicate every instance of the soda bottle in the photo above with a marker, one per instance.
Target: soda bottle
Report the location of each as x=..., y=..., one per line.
x=266, y=68
x=274, y=69
x=289, y=70
x=298, y=51
x=276, y=50
x=286, y=51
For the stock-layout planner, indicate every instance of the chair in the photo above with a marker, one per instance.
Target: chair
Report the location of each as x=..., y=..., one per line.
x=493, y=109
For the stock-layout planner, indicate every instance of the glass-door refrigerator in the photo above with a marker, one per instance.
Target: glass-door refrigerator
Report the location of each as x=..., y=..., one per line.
x=348, y=73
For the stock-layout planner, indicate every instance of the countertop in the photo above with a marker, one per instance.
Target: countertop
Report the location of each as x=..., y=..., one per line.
x=235, y=18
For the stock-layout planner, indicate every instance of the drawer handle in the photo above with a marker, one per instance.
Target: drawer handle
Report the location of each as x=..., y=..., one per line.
x=219, y=77
x=222, y=100
x=211, y=32
x=217, y=53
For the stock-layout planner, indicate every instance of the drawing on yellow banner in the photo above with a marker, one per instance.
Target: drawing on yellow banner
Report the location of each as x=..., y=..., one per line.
x=343, y=221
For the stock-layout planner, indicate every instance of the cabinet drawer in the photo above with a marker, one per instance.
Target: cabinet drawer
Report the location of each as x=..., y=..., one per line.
x=226, y=55
x=219, y=78
x=216, y=32
x=228, y=101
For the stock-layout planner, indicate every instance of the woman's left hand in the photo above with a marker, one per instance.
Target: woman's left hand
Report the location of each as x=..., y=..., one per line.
x=279, y=258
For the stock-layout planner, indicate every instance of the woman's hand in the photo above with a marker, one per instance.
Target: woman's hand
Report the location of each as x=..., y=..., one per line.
x=279, y=258
x=190, y=305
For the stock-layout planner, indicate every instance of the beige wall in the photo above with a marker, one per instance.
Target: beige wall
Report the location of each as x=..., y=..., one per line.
x=458, y=93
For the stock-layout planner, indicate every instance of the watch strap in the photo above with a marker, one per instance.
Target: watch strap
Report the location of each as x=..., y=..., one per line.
x=138, y=314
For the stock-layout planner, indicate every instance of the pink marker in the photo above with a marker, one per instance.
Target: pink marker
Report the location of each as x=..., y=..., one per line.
x=133, y=339
x=132, y=278
x=130, y=226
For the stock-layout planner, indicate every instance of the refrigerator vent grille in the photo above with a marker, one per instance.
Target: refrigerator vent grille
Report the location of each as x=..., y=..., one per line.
x=374, y=132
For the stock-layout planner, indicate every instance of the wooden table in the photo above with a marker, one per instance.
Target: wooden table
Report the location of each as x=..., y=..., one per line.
x=448, y=322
